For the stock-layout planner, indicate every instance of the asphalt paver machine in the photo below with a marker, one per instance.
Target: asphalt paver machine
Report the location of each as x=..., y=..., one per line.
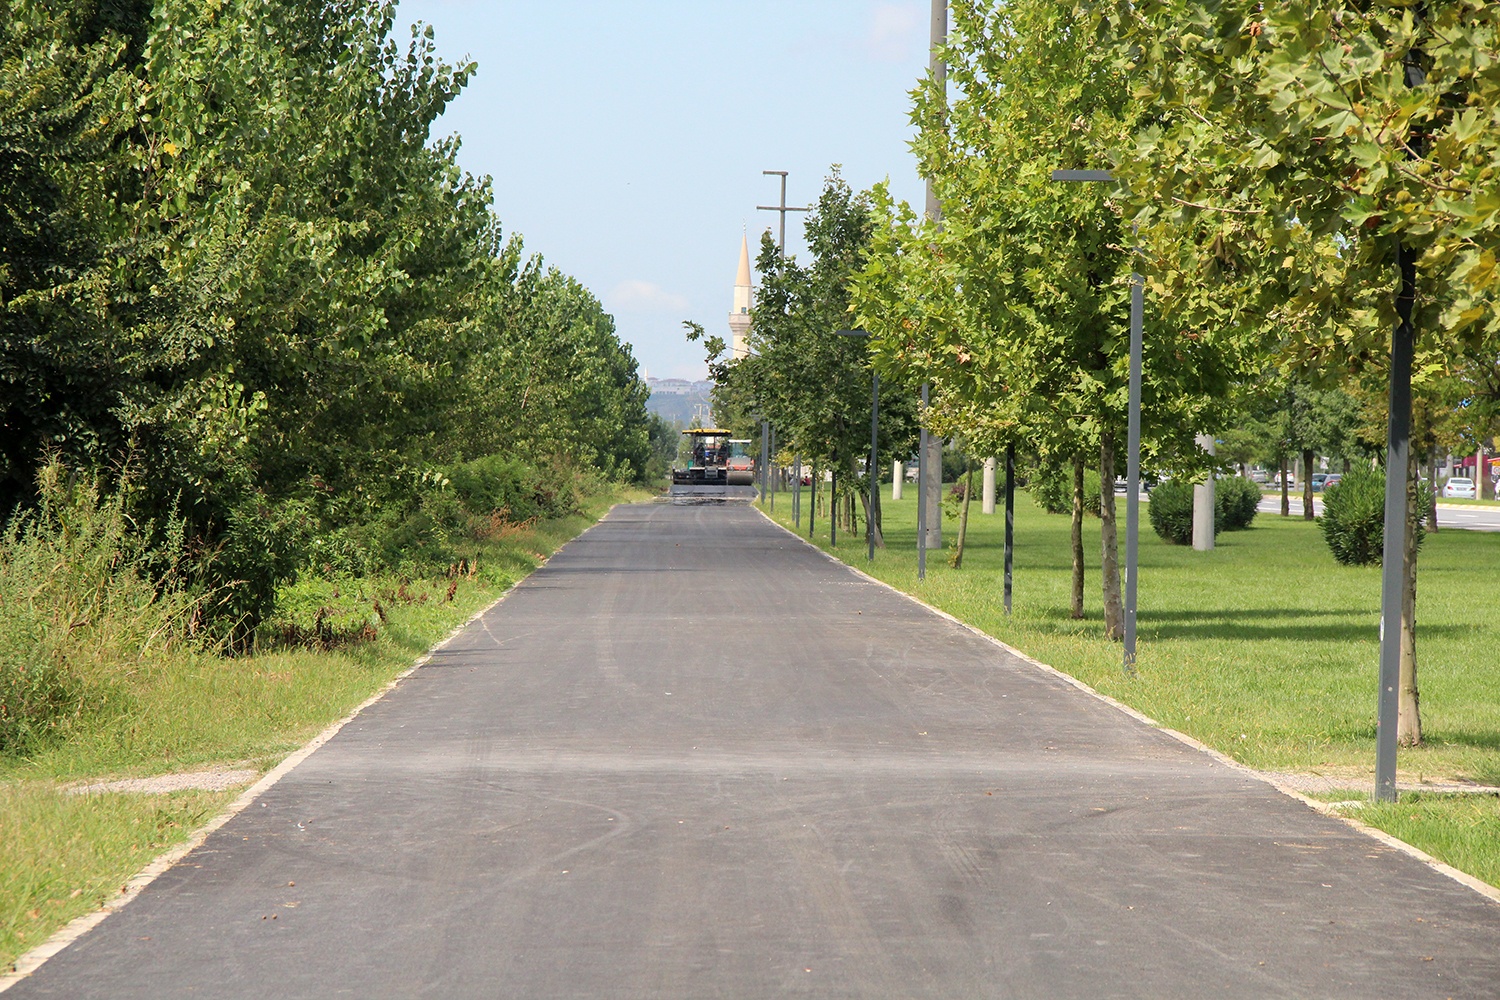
x=717, y=468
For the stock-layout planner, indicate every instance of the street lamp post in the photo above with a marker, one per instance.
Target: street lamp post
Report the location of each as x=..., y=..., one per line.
x=1010, y=515
x=1133, y=443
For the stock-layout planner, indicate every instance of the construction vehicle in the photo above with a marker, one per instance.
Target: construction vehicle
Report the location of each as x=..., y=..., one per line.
x=713, y=471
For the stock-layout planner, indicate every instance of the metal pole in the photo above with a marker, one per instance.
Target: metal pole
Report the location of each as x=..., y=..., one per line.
x=937, y=36
x=1133, y=466
x=783, y=208
x=765, y=457
x=1010, y=516
x=874, y=469
x=1392, y=567
x=833, y=505
x=797, y=491
x=922, y=496
x=769, y=479
x=812, y=512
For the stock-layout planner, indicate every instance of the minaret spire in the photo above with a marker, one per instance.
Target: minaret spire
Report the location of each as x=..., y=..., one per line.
x=739, y=315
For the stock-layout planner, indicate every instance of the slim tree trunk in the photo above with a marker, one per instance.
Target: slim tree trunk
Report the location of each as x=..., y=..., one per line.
x=1432, y=524
x=1078, y=536
x=1286, y=497
x=1114, y=605
x=1408, y=712
x=1307, y=504
x=963, y=519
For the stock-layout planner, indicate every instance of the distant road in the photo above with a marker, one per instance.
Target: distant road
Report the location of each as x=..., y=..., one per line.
x=1449, y=515
x=692, y=757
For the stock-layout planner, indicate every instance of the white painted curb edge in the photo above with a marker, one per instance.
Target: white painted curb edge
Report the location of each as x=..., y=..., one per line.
x=1463, y=878
x=74, y=929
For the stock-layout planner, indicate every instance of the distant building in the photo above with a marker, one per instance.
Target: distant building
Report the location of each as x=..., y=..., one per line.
x=680, y=386
x=739, y=316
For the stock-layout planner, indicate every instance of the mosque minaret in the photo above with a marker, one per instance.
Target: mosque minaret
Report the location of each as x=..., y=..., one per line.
x=739, y=316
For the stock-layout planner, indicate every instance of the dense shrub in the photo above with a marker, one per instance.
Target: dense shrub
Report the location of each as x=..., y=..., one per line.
x=1171, y=512
x=1235, y=503
x=1171, y=508
x=1353, y=520
x=1052, y=489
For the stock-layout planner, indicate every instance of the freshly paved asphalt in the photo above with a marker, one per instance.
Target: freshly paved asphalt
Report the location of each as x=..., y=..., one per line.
x=691, y=757
x=1468, y=517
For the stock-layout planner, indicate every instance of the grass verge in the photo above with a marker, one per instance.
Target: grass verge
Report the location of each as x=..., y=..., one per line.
x=1264, y=648
x=62, y=854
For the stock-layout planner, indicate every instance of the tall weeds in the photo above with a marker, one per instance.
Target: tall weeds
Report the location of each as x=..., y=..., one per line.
x=88, y=597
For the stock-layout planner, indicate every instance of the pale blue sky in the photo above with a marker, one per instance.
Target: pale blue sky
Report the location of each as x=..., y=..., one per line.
x=626, y=139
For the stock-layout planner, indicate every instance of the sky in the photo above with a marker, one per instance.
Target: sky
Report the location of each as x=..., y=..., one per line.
x=626, y=139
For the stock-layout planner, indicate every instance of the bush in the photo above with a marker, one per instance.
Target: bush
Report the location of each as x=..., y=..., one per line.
x=1171, y=512
x=1353, y=521
x=1051, y=486
x=1235, y=502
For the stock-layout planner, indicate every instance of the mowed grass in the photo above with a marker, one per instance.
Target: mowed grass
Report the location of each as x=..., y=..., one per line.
x=1265, y=648
x=62, y=854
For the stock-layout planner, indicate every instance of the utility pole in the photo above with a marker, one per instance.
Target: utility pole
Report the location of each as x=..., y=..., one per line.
x=930, y=455
x=783, y=208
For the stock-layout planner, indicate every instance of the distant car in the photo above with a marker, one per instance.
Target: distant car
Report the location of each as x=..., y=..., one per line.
x=1459, y=488
x=1333, y=480
x=1318, y=480
x=1260, y=478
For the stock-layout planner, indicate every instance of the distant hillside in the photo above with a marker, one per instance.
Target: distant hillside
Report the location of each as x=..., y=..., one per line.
x=679, y=408
x=679, y=400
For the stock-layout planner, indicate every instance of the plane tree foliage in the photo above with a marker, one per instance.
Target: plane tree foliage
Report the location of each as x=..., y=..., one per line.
x=1015, y=307
x=1327, y=142
x=232, y=250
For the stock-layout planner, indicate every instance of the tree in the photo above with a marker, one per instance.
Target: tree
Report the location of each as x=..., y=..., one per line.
x=1328, y=143
x=230, y=247
x=811, y=384
x=1016, y=308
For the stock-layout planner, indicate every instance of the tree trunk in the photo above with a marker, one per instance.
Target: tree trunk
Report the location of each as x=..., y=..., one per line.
x=1114, y=605
x=1432, y=524
x=963, y=518
x=1408, y=714
x=1307, y=491
x=1286, y=497
x=1078, y=536
x=812, y=508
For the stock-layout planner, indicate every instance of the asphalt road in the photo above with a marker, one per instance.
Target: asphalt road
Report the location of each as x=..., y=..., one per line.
x=691, y=758
x=1471, y=518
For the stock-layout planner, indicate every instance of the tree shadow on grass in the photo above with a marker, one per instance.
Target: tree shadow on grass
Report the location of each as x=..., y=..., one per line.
x=1252, y=624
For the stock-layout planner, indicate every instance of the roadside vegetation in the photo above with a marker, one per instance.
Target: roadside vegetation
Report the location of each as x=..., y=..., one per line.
x=283, y=404
x=1265, y=649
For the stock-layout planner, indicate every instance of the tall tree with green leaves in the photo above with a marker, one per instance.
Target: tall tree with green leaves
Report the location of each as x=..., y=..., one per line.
x=1016, y=308
x=1327, y=141
x=812, y=384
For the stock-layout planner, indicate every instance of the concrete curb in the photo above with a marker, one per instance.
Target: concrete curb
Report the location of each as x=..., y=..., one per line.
x=1463, y=878
x=30, y=961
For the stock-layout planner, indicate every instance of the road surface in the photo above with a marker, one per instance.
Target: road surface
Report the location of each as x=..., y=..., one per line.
x=691, y=757
x=1472, y=518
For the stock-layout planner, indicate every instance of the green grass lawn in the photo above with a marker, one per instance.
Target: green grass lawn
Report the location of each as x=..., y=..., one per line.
x=1265, y=648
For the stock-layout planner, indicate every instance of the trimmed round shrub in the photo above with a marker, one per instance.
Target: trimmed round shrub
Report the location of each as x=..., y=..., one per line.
x=1171, y=512
x=1051, y=487
x=1353, y=520
x=1235, y=503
